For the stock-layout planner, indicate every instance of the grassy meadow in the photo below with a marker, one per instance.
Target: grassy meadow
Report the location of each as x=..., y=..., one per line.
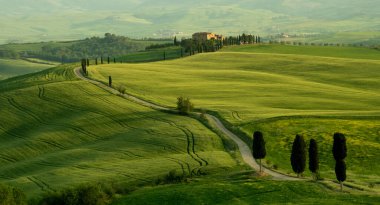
x=152, y=55
x=57, y=131
x=243, y=188
x=10, y=67
x=316, y=90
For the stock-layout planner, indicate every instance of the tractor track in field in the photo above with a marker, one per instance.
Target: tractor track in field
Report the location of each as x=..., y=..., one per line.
x=190, y=147
x=41, y=184
x=243, y=147
x=89, y=134
x=236, y=115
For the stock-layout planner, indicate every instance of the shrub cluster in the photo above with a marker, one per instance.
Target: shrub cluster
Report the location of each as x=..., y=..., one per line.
x=97, y=194
x=184, y=106
x=11, y=196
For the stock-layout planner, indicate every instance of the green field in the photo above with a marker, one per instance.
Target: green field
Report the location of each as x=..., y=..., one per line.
x=57, y=131
x=250, y=84
x=10, y=67
x=243, y=188
x=153, y=55
x=330, y=51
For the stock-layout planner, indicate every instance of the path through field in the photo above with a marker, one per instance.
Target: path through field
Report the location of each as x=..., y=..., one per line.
x=244, y=149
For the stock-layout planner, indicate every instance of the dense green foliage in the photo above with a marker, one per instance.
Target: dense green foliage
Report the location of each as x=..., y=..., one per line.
x=97, y=194
x=73, y=51
x=258, y=147
x=313, y=157
x=184, y=105
x=11, y=196
x=339, y=147
x=298, y=156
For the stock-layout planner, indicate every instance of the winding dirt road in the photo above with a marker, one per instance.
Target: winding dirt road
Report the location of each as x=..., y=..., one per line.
x=243, y=147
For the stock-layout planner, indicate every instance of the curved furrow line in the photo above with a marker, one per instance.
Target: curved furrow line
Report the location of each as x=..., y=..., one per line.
x=7, y=158
x=188, y=148
x=36, y=183
x=44, y=184
x=193, y=148
x=189, y=142
x=26, y=111
x=180, y=164
x=78, y=129
x=10, y=133
x=187, y=164
x=52, y=143
x=110, y=171
x=236, y=115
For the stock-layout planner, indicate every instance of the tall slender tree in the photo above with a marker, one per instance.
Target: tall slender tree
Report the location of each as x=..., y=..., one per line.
x=340, y=153
x=298, y=156
x=339, y=146
x=340, y=172
x=110, y=81
x=96, y=61
x=313, y=158
x=101, y=60
x=175, y=41
x=258, y=147
x=108, y=60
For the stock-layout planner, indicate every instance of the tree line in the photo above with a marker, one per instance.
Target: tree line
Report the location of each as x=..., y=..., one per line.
x=194, y=46
x=68, y=52
x=299, y=154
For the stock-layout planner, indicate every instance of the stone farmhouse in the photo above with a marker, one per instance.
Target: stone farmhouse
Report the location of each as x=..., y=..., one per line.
x=205, y=36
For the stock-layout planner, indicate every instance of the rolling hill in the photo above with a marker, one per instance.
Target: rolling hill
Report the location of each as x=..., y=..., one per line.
x=58, y=131
x=280, y=90
x=11, y=67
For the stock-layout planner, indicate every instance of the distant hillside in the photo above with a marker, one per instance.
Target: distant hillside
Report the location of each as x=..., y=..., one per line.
x=72, y=51
x=58, y=19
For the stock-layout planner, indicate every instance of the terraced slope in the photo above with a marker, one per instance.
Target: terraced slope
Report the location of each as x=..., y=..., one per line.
x=249, y=89
x=58, y=131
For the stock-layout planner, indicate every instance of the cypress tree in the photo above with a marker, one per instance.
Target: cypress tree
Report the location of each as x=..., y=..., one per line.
x=84, y=65
x=340, y=172
x=110, y=81
x=313, y=158
x=298, y=156
x=258, y=147
x=175, y=41
x=340, y=153
x=339, y=147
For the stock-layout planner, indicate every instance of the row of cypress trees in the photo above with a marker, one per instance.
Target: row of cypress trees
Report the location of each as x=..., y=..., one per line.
x=298, y=155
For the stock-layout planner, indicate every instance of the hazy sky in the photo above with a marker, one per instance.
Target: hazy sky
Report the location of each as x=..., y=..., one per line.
x=31, y=20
